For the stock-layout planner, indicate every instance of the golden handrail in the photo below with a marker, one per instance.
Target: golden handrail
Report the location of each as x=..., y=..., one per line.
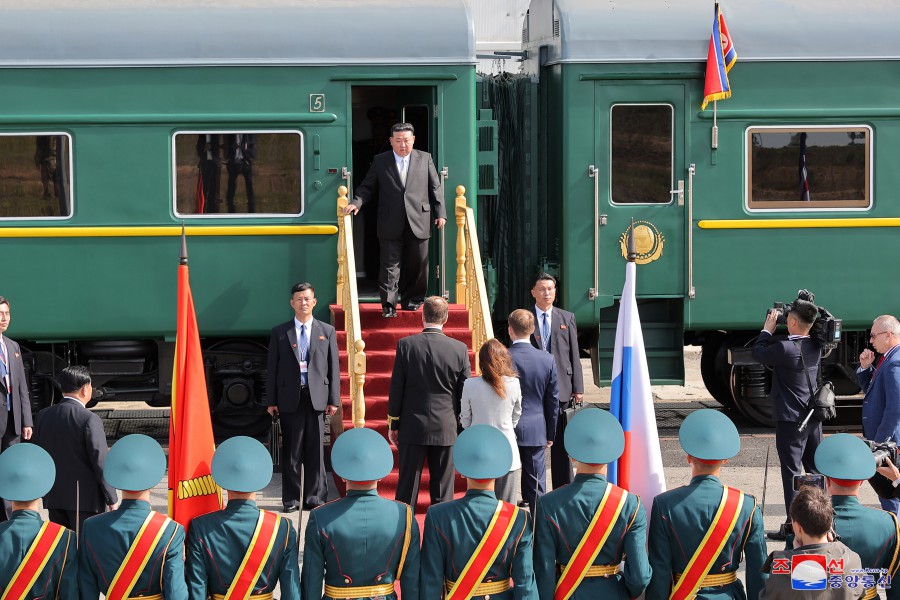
x=470, y=287
x=348, y=298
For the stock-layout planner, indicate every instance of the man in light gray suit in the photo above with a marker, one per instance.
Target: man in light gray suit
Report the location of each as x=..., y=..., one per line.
x=303, y=381
x=15, y=406
x=410, y=194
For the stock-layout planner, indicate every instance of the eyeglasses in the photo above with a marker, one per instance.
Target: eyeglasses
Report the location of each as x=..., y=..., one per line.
x=873, y=335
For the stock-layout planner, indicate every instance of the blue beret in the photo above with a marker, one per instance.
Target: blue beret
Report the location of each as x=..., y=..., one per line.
x=135, y=463
x=709, y=435
x=27, y=473
x=594, y=436
x=361, y=455
x=845, y=456
x=242, y=464
x=482, y=452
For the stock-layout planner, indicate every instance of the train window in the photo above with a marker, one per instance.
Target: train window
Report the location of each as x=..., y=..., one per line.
x=809, y=167
x=641, y=142
x=35, y=175
x=238, y=173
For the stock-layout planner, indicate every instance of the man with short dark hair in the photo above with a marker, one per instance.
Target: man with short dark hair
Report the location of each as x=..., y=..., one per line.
x=792, y=395
x=811, y=520
x=75, y=438
x=424, y=403
x=555, y=332
x=303, y=381
x=15, y=406
x=536, y=428
x=410, y=195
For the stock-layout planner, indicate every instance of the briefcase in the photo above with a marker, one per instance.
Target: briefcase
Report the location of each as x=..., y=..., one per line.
x=570, y=411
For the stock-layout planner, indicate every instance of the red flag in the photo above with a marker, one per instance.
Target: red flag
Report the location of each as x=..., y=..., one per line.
x=192, y=491
x=201, y=195
x=720, y=57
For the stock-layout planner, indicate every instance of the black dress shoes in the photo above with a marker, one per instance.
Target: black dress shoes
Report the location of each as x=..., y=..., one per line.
x=388, y=310
x=780, y=534
x=414, y=306
x=289, y=508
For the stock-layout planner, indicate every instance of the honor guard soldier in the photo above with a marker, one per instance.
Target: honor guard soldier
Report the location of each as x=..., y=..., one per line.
x=846, y=462
x=478, y=546
x=37, y=558
x=698, y=532
x=362, y=544
x=132, y=552
x=242, y=552
x=584, y=530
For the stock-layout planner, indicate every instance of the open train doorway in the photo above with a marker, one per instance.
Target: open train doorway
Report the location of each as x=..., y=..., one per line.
x=374, y=110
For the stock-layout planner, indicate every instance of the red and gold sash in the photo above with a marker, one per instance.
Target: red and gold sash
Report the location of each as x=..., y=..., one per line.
x=142, y=547
x=591, y=542
x=407, y=536
x=488, y=548
x=261, y=545
x=713, y=542
x=33, y=563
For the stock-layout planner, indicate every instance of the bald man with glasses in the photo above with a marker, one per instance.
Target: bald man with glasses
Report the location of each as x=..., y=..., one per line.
x=880, y=380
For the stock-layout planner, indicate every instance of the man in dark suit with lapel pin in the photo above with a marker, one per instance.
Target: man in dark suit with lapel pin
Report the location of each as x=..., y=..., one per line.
x=555, y=332
x=15, y=406
x=536, y=429
x=74, y=438
x=302, y=383
x=410, y=195
x=424, y=402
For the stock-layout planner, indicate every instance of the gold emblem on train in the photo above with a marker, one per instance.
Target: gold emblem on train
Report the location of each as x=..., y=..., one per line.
x=648, y=242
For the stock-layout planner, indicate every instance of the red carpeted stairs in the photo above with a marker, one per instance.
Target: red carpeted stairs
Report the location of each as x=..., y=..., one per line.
x=380, y=336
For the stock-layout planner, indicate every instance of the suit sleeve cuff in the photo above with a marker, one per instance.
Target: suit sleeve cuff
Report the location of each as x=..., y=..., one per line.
x=391, y=420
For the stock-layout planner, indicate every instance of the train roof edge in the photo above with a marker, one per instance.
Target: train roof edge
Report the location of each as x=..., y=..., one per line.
x=621, y=31
x=89, y=33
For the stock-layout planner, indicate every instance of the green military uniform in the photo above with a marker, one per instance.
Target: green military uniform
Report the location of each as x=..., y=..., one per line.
x=218, y=541
x=134, y=463
x=870, y=532
x=563, y=516
x=26, y=473
x=355, y=545
x=453, y=530
x=680, y=518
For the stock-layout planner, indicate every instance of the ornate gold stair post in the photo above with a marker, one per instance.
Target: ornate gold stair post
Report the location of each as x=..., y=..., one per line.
x=348, y=297
x=461, y=246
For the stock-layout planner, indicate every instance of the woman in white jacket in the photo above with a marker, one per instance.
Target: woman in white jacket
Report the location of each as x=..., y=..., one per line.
x=495, y=399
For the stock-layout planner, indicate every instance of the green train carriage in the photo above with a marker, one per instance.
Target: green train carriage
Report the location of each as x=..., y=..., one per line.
x=608, y=114
x=103, y=108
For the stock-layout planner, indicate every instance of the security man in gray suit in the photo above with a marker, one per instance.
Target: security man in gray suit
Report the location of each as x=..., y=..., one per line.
x=15, y=406
x=410, y=194
x=555, y=332
x=303, y=381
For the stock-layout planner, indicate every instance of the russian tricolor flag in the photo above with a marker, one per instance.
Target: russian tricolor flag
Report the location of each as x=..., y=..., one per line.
x=640, y=469
x=720, y=57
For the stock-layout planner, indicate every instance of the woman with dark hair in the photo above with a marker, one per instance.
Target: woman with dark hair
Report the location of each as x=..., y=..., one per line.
x=495, y=399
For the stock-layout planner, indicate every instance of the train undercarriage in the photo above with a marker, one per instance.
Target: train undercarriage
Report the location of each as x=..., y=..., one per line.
x=141, y=370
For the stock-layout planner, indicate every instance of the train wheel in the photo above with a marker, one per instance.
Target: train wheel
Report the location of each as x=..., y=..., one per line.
x=714, y=368
x=235, y=371
x=750, y=387
x=40, y=368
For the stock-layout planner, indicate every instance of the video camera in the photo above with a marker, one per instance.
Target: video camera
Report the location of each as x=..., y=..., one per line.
x=882, y=451
x=826, y=330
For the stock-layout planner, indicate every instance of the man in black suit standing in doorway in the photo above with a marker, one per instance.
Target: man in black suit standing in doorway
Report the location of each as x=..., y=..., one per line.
x=555, y=332
x=424, y=402
x=410, y=194
x=15, y=406
x=303, y=382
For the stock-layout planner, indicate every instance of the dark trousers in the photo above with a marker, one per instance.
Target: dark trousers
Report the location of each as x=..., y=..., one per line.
x=410, y=279
x=8, y=438
x=302, y=434
x=70, y=518
x=534, y=474
x=440, y=470
x=209, y=170
x=235, y=169
x=796, y=451
x=560, y=465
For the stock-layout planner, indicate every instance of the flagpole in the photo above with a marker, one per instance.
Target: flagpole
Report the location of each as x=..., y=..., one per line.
x=715, y=127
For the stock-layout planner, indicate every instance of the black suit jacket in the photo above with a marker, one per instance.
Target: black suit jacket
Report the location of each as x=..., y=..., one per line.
x=564, y=348
x=540, y=395
x=426, y=387
x=74, y=438
x=790, y=389
x=419, y=203
x=324, y=371
x=18, y=396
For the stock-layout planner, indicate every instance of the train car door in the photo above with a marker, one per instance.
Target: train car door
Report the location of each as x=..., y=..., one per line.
x=375, y=108
x=640, y=174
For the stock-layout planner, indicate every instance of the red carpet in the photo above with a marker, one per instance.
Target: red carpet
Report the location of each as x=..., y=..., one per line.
x=380, y=336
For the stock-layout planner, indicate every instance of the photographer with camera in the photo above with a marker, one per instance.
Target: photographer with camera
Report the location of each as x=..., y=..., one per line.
x=791, y=392
x=880, y=381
